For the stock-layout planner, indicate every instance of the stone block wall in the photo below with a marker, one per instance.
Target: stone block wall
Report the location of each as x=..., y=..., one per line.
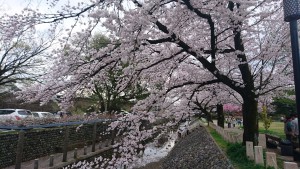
x=8, y=147
x=42, y=142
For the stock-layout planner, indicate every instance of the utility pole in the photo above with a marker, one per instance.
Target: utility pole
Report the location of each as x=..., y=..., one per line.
x=291, y=10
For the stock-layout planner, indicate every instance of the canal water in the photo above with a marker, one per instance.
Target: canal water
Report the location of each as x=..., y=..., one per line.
x=154, y=153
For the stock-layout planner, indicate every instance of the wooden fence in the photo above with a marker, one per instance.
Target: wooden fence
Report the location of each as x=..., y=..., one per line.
x=103, y=146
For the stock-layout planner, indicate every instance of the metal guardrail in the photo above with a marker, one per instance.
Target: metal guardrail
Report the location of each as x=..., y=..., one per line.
x=51, y=125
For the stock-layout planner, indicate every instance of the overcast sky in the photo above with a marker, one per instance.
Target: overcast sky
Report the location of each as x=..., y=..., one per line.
x=15, y=6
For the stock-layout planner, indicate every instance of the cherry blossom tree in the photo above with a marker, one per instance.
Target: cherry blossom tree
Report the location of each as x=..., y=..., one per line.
x=213, y=97
x=172, y=45
x=110, y=98
x=231, y=108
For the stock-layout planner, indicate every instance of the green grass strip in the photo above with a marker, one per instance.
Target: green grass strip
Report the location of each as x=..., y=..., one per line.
x=236, y=153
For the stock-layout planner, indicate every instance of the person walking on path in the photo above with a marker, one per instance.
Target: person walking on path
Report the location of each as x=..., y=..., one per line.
x=288, y=128
x=295, y=127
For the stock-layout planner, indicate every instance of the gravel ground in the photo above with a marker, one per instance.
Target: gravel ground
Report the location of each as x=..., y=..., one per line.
x=195, y=151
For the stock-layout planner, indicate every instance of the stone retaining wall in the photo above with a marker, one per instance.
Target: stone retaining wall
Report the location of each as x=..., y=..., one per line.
x=42, y=142
x=196, y=150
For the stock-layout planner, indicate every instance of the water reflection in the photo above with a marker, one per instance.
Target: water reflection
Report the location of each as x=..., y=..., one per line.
x=153, y=153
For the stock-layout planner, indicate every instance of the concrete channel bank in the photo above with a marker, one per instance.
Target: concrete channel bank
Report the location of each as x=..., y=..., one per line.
x=197, y=150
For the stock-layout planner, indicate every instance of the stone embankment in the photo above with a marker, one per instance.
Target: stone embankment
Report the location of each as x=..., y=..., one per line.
x=196, y=151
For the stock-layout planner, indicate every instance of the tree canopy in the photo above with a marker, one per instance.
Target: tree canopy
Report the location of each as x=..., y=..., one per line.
x=175, y=48
x=21, y=57
x=110, y=98
x=284, y=105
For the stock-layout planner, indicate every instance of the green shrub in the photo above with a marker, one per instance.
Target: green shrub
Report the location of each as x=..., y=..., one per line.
x=265, y=118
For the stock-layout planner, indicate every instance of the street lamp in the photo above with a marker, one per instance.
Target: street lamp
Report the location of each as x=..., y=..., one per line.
x=291, y=10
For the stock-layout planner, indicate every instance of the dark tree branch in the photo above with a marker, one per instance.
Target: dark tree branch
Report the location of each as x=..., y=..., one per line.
x=58, y=17
x=160, y=61
x=211, y=25
x=200, y=84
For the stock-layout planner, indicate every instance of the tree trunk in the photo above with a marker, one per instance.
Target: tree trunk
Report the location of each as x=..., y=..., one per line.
x=250, y=120
x=220, y=113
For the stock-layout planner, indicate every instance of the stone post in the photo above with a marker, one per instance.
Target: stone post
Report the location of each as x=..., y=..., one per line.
x=106, y=142
x=259, y=159
x=249, y=150
x=36, y=164
x=271, y=160
x=113, y=135
x=65, y=144
x=290, y=165
x=20, y=148
x=51, y=161
x=94, y=137
x=232, y=140
x=85, y=150
x=100, y=143
x=75, y=153
x=227, y=136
